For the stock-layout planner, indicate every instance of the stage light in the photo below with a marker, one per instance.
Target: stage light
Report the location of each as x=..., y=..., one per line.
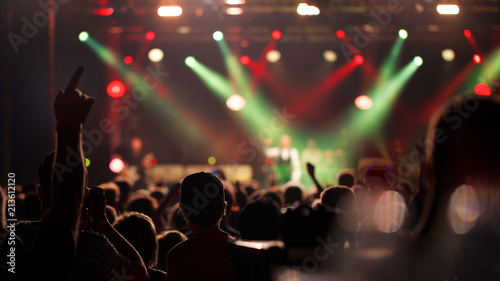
x=116, y=165
x=448, y=9
x=84, y=35
x=211, y=160
x=268, y=160
x=340, y=34
x=155, y=55
x=169, y=11
x=273, y=56
x=87, y=162
x=482, y=89
x=128, y=60
x=363, y=102
x=244, y=60
x=276, y=34
x=418, y=60
x=190, y=61
x=218, y=36
x=476, y=58
x=184, y=30
x=403, y=34
x=233, y=11
x=467, y=33
x=330, y=56
x=448, y=54
x=359, y=59
x=244, y=43
x=150, y=35
x=235, y=102
x=103, y=12
x=304, y=9
x=234, y=2
x=116, y=89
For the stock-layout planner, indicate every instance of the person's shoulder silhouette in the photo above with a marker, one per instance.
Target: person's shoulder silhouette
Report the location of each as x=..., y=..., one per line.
x=204, y=256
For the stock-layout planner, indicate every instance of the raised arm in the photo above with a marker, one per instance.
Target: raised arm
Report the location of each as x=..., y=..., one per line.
x=54, y=251
x=69, y=177
x=310, y=171
x=101, y=224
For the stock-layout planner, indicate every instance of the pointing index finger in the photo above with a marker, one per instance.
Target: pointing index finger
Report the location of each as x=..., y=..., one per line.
x=70, y=88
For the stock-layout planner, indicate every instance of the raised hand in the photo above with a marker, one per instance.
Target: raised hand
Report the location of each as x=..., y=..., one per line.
x=71, y=106
x=97, y=206
x=310, y=169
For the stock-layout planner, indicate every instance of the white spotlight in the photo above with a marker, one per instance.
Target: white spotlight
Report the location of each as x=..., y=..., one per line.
x=330, y=56
x=155, y=55
x=273, y=56
x=448, y=54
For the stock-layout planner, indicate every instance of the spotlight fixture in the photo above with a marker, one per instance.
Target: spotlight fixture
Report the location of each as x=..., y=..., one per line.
x=169, y=11
x=448, y=9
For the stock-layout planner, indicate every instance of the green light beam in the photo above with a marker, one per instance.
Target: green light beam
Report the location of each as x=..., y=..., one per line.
x=389, y=65
x=151, y=93
x=214, y=81
x=236, y=71
x=256, y=112
x=102, y=52
x=369, y=123
x=371, y=120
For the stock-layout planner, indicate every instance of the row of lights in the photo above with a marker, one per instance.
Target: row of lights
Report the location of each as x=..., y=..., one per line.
x=272, y=56
x=116, y=89
x=303, y=9
x=276, y=35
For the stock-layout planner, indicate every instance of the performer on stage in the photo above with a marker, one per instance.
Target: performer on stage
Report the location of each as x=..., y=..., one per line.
x=286, y=161
x=137, y=159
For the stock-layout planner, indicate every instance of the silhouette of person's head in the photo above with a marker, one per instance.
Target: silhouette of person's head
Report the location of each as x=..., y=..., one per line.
x=143, y=204
x=166, y=241
x=346, y=177
x=125, y=189
x=111, y=214
x=338, y=196
x=463, y=159
x=112, y=193
x=229, y=197
x=260, y=220
x=139, y=230
x=274, y=196
x=175, y=218
x=293, y=194
x=202, y=199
